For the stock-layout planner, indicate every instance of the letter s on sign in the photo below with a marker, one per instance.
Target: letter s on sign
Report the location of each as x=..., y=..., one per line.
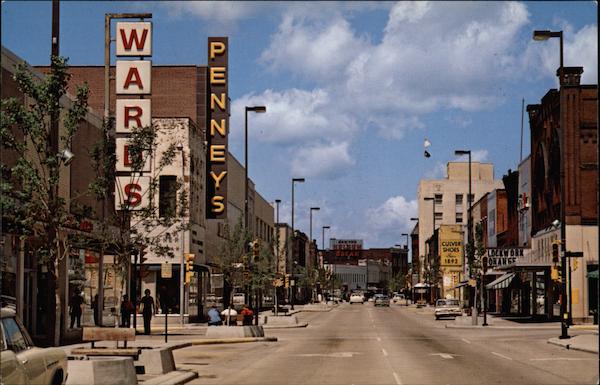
x=217, y=203
x=133, y=198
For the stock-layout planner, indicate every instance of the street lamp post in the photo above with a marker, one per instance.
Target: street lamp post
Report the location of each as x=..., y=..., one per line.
x=182, y=261
x=413, y=263
x=470, y=230
x=433, y=229
x=565, y=315
x=277, y=202
x=294, y=180
x=258, y=110
x=310, y=244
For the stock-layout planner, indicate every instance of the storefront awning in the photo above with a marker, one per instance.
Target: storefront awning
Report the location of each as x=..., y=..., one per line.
x=593, y=274
x=501, y=283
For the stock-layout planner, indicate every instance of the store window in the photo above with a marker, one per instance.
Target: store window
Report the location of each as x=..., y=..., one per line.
x=167, y=204
x=459, y=217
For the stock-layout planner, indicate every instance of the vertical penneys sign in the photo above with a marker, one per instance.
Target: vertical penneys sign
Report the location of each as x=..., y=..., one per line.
x=217, y=128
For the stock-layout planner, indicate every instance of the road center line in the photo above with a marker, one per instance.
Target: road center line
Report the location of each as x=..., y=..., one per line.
x=503, y=356
x=384, y=352
x=466, y=341
x=398, y=382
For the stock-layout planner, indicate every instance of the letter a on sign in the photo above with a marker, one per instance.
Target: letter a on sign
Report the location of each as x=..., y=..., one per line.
x=134, y=77
x=134, y=38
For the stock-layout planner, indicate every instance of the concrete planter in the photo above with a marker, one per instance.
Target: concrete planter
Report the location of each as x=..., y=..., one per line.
x=234, y=331
x=102, y=371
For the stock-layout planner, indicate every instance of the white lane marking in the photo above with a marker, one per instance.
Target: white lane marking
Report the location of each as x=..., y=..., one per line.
x=379, y=339
x=384, y=352
x=398, y=382
x=333, y=355
x=503, y=356
x=466, y=341
x=562, y=359
x=446, y=356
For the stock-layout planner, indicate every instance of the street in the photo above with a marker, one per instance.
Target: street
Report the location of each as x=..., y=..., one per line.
x=360, y=344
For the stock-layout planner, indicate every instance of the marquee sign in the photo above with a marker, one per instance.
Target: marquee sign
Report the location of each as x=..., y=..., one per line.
x=504, y=256
x=133, y=78
x=217, y=128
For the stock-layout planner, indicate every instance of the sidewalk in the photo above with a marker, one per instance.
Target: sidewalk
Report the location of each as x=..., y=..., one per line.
x=582, y=342
x=494, y=322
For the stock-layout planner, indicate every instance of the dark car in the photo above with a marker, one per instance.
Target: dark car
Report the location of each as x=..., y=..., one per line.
x=381, y=300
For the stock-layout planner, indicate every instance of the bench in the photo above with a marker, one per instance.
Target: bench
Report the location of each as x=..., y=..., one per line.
x=95, y=334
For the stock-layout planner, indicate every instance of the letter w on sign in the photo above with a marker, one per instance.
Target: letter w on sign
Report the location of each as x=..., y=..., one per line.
x=134, y=38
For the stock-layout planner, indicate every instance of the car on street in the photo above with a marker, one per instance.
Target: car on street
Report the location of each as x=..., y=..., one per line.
x=397, y=298
x=23, y=363
x=447, y=308
x=381, y=300
x=357, y=298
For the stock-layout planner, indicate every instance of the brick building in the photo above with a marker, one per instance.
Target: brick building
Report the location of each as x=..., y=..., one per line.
x=564, y=162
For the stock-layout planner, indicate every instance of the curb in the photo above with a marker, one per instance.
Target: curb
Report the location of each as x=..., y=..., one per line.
x=303, y=325
x=500, y=327
x=570, y=347
x=216, y=341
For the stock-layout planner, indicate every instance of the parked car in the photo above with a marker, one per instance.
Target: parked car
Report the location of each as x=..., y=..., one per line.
x=23, y=363
x=357, y=298
x=381, y=300
x=447, y=308
x=398, y=298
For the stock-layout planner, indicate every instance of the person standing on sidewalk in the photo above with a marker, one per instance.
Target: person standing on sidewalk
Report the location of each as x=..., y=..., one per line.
x=148, y=310
x=75, y=312
x=126, y=310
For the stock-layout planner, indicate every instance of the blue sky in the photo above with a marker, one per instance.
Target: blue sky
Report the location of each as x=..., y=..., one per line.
x=351, y=89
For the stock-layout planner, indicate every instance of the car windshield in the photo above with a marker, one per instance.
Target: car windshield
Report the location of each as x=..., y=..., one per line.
x=372, y=180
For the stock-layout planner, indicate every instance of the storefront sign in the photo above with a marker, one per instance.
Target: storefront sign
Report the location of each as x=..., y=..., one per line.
x=450, y=248
x=217, y=127
x=133, y=77
x=166, y=270
x=503, y=257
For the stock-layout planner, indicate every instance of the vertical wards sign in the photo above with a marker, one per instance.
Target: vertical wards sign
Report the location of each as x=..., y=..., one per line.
x=217, y=128
x=133, y=77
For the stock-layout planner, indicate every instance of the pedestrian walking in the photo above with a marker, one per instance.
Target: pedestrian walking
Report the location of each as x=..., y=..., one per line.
x=75, y=309
x=95, y=309
x=248, y=314
x=126, y=310
x=214, y=319
x=148, y=310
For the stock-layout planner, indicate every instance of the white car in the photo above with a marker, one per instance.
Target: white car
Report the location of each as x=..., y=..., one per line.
x=357, y=298
x=447, y=308
x=397, y=298
x=22, y=363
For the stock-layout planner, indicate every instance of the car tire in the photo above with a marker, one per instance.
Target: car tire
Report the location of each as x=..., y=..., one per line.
x=58, y=378
x=437, y=318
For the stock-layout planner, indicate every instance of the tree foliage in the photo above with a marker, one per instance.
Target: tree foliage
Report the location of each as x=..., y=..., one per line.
x=29, y=196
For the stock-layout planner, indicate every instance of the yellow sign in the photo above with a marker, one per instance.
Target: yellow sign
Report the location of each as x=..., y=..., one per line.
x=450, y=245
x=575, y=296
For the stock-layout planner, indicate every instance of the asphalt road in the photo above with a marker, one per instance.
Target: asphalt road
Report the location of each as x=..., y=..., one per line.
x=360, y=344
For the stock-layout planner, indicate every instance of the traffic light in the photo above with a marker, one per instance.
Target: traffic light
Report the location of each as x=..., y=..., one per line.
x=256, y=248
x=555, y=251
x=287, y=281
x=189, y=266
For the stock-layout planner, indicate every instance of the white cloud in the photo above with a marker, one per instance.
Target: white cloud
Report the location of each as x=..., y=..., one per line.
x=318, y=50
x=224, y=12
x=390, y=219
x=322, y=160
x=292, y=115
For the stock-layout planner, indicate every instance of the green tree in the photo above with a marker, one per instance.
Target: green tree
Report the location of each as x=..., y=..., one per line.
x=233, y=259
x=34, y=132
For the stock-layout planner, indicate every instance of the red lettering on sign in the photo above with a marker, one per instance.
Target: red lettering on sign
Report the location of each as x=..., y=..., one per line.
x=133, y=73
x=133, y=113
x=133, y=198
x=139, y=43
